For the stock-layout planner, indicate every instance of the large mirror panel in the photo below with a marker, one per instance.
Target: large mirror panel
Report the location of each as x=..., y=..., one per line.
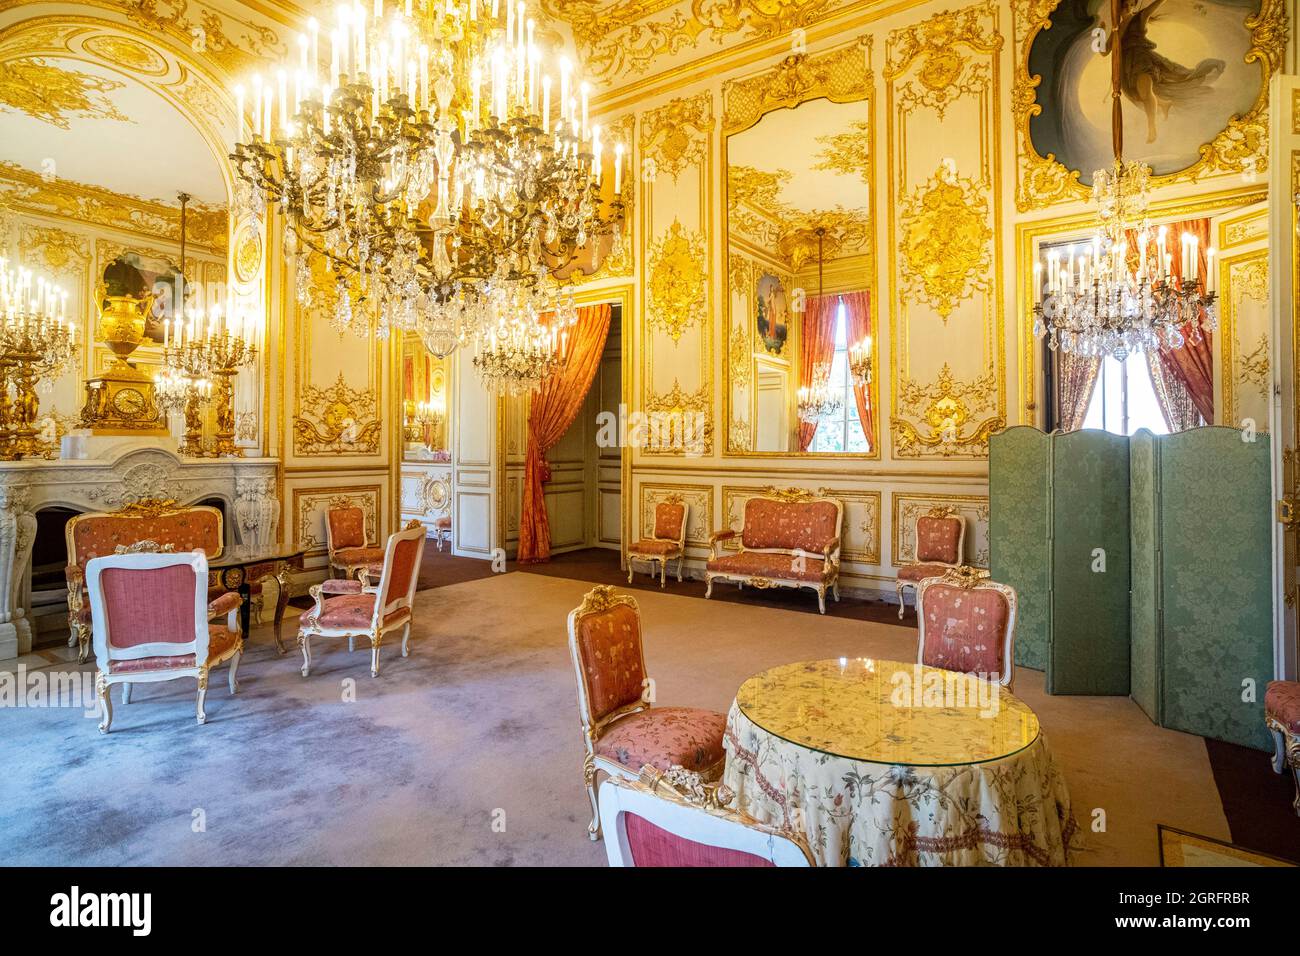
x=800, y=370
x=424, y=402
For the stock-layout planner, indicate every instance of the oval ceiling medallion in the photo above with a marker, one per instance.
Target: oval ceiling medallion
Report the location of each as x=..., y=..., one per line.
x=131, y=55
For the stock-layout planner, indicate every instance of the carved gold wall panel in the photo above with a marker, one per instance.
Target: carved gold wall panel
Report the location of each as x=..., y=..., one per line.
x=945, y=217
x=675, y=330
x=908, y=507
x=1245, y=333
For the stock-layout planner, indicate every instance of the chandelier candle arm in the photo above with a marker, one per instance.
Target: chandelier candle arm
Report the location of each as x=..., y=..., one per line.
x=429, y=170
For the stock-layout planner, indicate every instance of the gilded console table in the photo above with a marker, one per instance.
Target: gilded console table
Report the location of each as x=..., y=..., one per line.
x=241, y=567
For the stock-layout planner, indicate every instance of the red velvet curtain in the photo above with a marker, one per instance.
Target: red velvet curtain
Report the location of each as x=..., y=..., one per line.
x=816, y=347
x=1191, y=366
x=555, y=404
x=857, y=325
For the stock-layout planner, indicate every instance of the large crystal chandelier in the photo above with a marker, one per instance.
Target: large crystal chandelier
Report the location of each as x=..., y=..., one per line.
x=1120, y=294
x=437, y=167
x=819, y=401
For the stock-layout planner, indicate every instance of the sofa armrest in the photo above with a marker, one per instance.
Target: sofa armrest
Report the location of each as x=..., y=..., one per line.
x=716, y=539
x=832, y=552
x=317, y=592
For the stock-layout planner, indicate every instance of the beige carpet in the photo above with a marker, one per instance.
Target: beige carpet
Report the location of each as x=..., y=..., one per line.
x=478, y=726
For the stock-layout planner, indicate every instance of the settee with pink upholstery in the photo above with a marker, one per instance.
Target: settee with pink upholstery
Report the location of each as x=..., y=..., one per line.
x=790, y=539
x=97, y=535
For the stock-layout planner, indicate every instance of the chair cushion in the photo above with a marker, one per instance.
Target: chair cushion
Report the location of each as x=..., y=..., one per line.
x=663, y=737
x=669, y=516
x=351, y=612
x=220, y=642
x=770, y=565
x=355, y=557
x=345, y=611
x=915, y=572
x=649, y=546
x=442, y=522
x=811, y=525
x=1282, y=702
x=964, y=629
x=937, y=538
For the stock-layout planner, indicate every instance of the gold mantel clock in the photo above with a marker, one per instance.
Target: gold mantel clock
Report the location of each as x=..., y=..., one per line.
x=121, y=400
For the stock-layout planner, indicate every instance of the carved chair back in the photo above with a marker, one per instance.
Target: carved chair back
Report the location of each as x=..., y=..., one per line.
x=967, y=624
x=608, y=658
x=97, y=534
x=149, y=605
x=345, y=528
x=791, y=521
x=401, y=575
x=652, y=823
x=940, y=537
x=670, y=521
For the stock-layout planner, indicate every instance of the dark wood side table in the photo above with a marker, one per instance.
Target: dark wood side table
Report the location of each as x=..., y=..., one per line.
x=241, y=567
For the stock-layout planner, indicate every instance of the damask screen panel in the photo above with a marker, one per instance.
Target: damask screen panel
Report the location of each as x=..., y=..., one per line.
x=1019, y=547
x=1089, y=646
x=1216, y=561
x=1144, y=572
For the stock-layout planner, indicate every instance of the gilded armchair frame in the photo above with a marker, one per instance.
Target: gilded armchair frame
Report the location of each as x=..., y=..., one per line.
x=830, y=555
x=1286, y=753
x=973, y=579
x=682, y=803
x=152, y=557
x=386, y=604
x=940, y=511
x=680, y=545
x=146, y=509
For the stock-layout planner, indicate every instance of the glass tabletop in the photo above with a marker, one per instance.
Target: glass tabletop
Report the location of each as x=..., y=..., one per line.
x=888, y=712
x=255, y=554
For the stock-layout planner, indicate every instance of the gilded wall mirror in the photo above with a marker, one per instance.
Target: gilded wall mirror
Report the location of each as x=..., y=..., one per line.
x=801, y=336
x=425, y=425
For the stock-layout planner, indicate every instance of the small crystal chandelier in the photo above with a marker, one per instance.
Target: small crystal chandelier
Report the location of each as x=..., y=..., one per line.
x=860, y=362
x=1107, y=298
x=518, y=351
x=436, y=167
x=819, y=401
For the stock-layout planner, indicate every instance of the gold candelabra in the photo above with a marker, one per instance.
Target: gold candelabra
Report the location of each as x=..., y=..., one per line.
x=860, y=362
x=37, y=345
x=202, y=358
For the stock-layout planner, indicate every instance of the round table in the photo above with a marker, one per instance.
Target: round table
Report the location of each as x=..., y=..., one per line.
x=886, y=763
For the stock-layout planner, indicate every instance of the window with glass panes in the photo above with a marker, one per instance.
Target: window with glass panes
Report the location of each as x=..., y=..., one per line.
x=842, y=432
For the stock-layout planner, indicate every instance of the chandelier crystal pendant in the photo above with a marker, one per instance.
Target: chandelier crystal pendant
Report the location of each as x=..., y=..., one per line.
x=436, y=166
x=1121, y=294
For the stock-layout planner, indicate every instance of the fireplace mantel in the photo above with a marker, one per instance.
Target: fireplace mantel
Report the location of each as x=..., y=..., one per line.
x=247, y=486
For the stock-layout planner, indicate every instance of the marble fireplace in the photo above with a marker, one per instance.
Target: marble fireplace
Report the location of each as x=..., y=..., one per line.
x=245, y=488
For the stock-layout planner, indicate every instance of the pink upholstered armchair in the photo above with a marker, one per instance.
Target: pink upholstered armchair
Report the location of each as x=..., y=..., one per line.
x=150, y=614
x=621, y=730
x=352, y=609
x=1282, y=717
x=940, y=538
x=967, y=624
x=674, y=819
x=345, y=536
x=95, y=534
x=667, y=541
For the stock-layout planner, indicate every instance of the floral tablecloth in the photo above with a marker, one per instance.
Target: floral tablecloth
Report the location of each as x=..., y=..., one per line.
x=1011, y=811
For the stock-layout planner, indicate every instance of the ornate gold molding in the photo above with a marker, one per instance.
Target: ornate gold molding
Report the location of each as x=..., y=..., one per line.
x=54, y=95
x=675, y=136
x=677, y=280
x=842, y=75
x=945, y=245
x=336, y=420
x=947, y=409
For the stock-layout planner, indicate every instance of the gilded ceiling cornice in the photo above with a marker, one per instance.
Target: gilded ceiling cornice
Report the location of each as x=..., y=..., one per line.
x=30, y=192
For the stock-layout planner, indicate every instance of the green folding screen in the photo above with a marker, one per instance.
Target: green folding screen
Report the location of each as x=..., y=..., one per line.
x=1181, y=616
